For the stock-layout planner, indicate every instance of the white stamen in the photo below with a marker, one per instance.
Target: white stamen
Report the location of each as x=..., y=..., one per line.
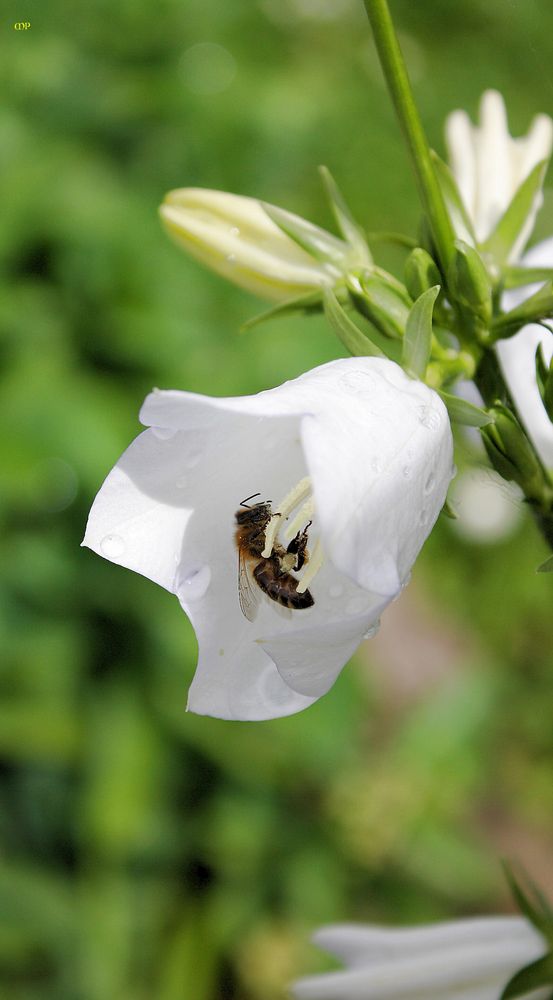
x=315, y=562
x=304, y=515
x=296, y=495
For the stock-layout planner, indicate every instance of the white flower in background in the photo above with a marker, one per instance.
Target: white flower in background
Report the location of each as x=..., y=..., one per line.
x=235, y=237
x=489, y=165
x=462, y=960
x=354, y=451
x=517, y=360
x=488, y=508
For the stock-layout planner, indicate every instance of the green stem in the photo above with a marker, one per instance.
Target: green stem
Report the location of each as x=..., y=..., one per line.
x=397, y=79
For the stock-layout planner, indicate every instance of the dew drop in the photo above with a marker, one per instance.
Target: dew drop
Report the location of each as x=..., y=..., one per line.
x=163, y=433
x=193, y=584
x=231, y=258
x=182, y=482
x=430, y=483
x=430, y=418
x=406, y=471
x=336, y=590
x=423, y=518
x=372, y=630
x=356, y=381
x=375, y=465
x=234, y=231
x=191, y=460
x=112, y=546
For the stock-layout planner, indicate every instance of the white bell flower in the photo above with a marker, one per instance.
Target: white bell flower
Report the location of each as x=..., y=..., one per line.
x=355, y=458
x=489, y=164
x=234, y=236
x=462, y=960
x=517, y=359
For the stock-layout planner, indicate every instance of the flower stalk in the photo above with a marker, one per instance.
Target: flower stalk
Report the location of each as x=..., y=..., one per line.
x=395, y=72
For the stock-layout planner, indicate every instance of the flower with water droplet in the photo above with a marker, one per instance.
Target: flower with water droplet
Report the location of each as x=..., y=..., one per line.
x=489, y=166
x=237, y=237
x=471, y=959
x=175, y=522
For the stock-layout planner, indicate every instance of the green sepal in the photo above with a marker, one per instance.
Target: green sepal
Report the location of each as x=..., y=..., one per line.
x=462, y=412
x=458, y=214
x=352, y=233
x=421, y=272
x=418, y=333
x=349, y=333
x=469, y=281
x=511, y=453
x=532, y=977
x=531, y=902
x=312, y=302
x=384, y=301
x=449, y=511
x=542, y=369
x=546, y=567
x=539, y=306
x=396, y=239
x=317, y=242
x=517, y=277
x=509, y=227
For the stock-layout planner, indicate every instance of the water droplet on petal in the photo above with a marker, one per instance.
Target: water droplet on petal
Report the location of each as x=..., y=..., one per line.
x=112, y=546
x=430, y=483
x=193, y=584
x=357, y=381
x=429, y=418
x=375, y=465
x=406, y=471
x=423, y=517
x=234, y=231
x=336, y=590
x=372, y=630
x=163, y=433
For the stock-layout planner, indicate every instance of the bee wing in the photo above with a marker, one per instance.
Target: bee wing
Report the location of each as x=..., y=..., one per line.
x=248, y=592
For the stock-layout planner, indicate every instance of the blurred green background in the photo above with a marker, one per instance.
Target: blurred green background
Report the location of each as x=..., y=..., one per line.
x=147, y=854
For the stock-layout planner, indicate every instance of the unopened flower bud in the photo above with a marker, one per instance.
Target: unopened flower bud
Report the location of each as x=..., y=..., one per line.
x=421, y=273
x=469, y=281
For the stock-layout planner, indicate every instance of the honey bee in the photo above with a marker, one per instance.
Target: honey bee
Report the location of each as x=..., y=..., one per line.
x=272, y=574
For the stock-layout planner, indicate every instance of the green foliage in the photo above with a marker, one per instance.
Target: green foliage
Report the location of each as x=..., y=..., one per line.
x=146, y=852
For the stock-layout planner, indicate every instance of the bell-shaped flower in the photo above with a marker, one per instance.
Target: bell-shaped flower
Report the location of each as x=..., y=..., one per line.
x=331, y=482
x=489, y=166
x=237, y=237
x=462, y=960
x=517, y=357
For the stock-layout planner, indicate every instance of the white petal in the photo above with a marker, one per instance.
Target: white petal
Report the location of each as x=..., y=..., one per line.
x=460, y=143
x=361, y=944
x=467, y=968
x=517, y=359
x=494, y=169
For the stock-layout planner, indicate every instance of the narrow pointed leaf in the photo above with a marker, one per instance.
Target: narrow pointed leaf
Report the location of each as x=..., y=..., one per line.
x=513, y=220
x=315, y=241
x=532, y=977
x=462, y=412
x=537, y=912
x=349, y=333
x=516, y=277
x=347, y=225
x=539, y=306
x=418, y=333
x=310, y=303
x=458, y=214
x=542, y=369
x=546, y=567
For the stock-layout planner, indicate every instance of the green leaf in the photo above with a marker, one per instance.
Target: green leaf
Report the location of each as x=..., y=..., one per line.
x=539, y=306
x=317, y=242
x=311, y=302
x=516, y=277
x=532, y=977
x=462, y=412
x=509, y=227
x=542, y=369
x=458, y=214
x=537, y=910
x=352, y=233
x=397, y=239
x=384, y=301
x=546, y=567
x=418, y=333
x=349, y=333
